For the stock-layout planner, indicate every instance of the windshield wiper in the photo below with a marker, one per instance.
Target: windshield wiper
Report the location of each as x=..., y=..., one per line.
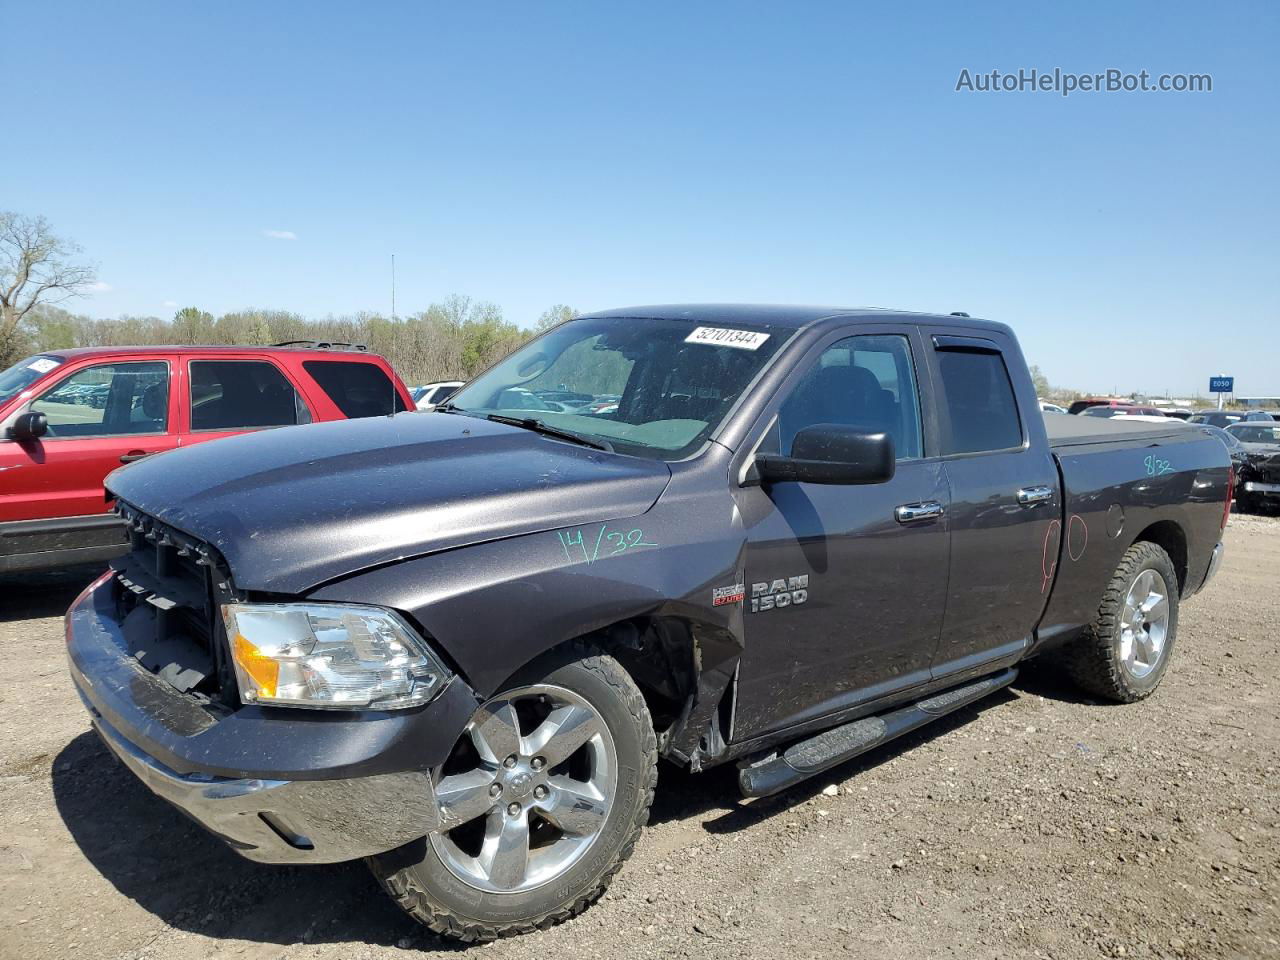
x=539, y=426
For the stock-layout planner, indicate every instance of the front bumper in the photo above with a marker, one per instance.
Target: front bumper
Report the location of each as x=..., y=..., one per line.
x=280, y=785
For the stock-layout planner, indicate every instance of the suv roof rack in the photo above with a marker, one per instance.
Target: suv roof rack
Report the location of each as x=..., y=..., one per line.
x=323, y=345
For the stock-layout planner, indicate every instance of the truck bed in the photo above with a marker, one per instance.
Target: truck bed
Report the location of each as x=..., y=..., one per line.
x=1065, y=430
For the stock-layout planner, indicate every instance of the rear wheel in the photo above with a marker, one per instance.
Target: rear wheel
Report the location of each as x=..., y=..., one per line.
x=1126, y=650
x=541, y=801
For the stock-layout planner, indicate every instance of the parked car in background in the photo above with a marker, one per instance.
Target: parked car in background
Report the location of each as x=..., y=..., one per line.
x=1261, y=416
x=1235, y=449
x=1147, y=417
x=70, y=417
x=567, y=399
x=1047, y=406
x=1084, y=403
x=1216, y=418
x=1123, y=410
x=431, y=395
x=1178, y=413
x=1259, y=481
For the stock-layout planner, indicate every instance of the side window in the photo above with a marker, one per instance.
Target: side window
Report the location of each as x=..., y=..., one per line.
x=442, y=394
x=242, y=395
x=979, y=399
x=109, y=400
x=867, y=382
x=357, y=389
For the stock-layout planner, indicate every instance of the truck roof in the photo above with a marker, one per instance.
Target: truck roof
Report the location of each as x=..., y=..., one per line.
x=787, y=316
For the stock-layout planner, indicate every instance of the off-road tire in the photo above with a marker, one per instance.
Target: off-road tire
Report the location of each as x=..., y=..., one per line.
x=425, y=888
x=1093, y=661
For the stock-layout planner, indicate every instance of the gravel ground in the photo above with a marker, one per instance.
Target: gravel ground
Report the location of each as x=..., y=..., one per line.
x=1037, y=824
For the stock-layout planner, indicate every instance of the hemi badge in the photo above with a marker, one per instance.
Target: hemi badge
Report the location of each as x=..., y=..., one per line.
x=723, y=596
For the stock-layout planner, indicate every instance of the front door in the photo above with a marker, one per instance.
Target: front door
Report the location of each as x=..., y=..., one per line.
x=845, y=585
x=100, y=417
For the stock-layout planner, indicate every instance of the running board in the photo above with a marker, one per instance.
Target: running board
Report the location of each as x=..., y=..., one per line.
x=827, y=749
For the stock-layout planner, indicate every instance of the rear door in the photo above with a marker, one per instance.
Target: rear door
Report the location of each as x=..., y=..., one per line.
x=1005, y=505
x=224, y=396
x=101, y=415
x=845, y=585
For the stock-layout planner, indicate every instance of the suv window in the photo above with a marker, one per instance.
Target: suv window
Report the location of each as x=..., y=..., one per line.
x=357, y=389
x=979, y=399
x=865, y=381
x=441, y=394
x=242, y=395
x=108, y=400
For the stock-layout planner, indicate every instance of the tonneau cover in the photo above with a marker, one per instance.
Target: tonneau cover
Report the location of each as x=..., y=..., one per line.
x=1073, y=430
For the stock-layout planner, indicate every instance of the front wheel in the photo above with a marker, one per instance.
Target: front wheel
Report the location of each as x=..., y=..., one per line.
x=1125, y=652
x=541, y=801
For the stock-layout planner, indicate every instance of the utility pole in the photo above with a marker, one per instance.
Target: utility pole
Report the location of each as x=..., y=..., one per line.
x=393, y=287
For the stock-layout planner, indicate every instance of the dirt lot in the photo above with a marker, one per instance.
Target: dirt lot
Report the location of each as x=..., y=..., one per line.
x=1037, y=824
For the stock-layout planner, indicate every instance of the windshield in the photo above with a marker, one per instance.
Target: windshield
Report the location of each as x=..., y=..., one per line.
x=1255, y=434
x=654, y=388
x=22, y=374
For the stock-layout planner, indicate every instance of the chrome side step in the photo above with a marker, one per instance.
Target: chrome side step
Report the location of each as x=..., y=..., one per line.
x=821, y=752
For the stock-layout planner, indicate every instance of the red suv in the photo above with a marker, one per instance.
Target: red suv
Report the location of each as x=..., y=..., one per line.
x=70, y=417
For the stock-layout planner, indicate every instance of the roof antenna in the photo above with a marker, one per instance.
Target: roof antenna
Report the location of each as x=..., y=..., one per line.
x=958, y=313
x=391, y=411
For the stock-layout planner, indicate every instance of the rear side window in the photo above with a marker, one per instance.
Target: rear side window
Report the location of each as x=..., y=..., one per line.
x=242, y=395
x=979, y=399
x=357, y=389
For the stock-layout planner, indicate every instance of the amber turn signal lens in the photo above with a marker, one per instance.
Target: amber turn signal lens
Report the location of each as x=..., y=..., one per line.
x=263, y=670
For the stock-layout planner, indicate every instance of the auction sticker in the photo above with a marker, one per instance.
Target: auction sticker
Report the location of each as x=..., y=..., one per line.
x=722, y=337
x=44, y=364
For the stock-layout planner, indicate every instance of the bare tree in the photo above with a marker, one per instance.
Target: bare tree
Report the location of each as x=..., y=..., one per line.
x=36, y=266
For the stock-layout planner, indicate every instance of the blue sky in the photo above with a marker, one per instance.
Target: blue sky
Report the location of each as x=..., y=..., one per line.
x=602, y=155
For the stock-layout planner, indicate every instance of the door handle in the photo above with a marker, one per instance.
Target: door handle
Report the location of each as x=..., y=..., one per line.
x=915, y=512
x=133, y=455
x=1030, y=496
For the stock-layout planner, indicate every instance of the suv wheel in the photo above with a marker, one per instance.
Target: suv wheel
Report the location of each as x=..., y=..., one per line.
x=1125, y=651
x=541, y=801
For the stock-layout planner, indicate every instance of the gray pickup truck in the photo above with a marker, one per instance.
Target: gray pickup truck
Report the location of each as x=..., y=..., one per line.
x=458, y=643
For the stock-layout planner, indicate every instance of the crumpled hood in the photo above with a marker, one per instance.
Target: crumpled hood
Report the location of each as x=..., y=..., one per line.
x=291, y=508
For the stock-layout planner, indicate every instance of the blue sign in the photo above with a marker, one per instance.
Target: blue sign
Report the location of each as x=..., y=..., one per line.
x=1222, y=384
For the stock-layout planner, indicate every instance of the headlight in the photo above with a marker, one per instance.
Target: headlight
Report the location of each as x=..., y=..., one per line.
x=330, y=656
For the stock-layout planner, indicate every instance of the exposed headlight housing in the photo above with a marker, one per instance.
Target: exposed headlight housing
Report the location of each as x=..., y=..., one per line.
x=329, y=656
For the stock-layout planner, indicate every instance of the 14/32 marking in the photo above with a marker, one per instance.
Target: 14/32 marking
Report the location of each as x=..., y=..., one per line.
x=604, y=543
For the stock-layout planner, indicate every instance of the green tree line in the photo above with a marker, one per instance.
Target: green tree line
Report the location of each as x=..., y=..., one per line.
x=450, y=340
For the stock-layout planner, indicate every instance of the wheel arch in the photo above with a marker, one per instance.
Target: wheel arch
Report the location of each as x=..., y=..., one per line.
x=686, y=669
x=1169, y=536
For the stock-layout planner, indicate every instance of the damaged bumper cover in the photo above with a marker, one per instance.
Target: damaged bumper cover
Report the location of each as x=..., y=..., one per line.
x=279, y=785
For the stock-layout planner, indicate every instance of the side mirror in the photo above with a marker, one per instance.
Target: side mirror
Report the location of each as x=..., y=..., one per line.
x=29, y=426
x=830, y=453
